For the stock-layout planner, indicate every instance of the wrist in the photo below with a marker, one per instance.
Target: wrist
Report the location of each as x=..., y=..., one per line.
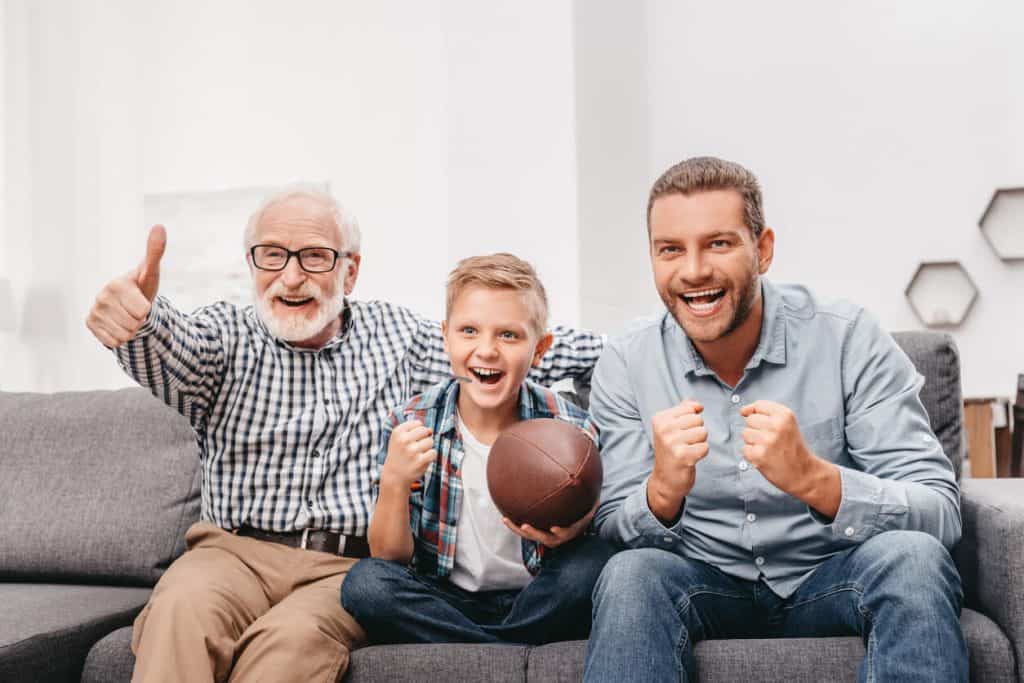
x=663, y=502
x=394, y=486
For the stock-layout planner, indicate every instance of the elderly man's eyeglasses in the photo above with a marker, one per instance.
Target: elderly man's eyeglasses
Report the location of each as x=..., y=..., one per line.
x=311, y=259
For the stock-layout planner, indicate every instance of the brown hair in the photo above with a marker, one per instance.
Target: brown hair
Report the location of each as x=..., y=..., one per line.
x=500, y=271
x=701, y=174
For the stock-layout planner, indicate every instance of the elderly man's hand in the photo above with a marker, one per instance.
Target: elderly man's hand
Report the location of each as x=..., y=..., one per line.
x=123, y=304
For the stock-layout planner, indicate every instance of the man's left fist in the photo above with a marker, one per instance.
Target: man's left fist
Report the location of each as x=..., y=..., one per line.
x=773, y=444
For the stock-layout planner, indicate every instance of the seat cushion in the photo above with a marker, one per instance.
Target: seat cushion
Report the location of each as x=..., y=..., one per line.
x=794, y=660
x=95, y=487
x=47, y=629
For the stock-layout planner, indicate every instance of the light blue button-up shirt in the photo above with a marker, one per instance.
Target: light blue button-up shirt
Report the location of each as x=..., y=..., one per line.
x=855, y=396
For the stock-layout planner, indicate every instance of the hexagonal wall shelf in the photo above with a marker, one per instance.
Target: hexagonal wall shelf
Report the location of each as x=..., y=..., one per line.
x=1002, y=224
x=941, y=293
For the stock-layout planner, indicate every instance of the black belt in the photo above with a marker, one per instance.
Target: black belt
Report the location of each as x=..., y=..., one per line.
x=313, y=539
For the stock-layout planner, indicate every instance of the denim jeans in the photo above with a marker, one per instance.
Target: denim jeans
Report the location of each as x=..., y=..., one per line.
x=898, y=590
x=395, y=604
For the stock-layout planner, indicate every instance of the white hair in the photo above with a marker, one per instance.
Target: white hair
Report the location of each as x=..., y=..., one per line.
x=348, y=226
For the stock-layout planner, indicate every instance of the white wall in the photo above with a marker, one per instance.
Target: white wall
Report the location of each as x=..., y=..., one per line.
x=448, y=128
x=879, y=130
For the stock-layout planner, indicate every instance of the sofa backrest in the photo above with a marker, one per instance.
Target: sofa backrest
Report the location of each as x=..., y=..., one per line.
x=935, y=356
x=95, y=487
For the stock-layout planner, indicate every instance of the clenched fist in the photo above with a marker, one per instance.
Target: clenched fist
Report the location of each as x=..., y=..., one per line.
x=123, y=304
x=774, y=445
x=410, y=452
x=680, y=442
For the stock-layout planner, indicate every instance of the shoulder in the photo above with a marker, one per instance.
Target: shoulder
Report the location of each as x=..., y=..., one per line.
x=434, y=398
x=639, y=337
x=375, y=315
x=548, y=403
x=800, y=302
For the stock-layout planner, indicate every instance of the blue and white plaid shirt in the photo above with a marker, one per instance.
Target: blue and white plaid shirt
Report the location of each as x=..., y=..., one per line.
x=288, y=436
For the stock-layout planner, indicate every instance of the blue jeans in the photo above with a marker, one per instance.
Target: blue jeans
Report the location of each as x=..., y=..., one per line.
x=397, y=605
x=898, y=590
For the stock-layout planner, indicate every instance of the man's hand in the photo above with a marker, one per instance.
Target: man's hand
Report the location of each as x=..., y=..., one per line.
x=123, y=304
x=557, y=535
x=680, y=442
x=410, y=452
x=774, y=445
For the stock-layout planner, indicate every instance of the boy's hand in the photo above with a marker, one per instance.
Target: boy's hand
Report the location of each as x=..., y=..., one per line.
x=410, y=452
x=557, y=535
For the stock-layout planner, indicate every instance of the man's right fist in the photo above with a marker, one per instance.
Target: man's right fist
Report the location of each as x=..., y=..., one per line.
x=123, y=304
x=680, y=442
x=410, y=452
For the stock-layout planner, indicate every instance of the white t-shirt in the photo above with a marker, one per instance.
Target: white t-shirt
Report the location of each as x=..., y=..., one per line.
x=488, y=556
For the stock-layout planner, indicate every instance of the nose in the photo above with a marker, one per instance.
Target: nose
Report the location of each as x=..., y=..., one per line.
x=695, y=268
x=293, y=275
x=487, y=347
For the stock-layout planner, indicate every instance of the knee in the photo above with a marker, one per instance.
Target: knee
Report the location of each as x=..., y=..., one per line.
x=365, y=590
x=912, y=562
x=630, y=579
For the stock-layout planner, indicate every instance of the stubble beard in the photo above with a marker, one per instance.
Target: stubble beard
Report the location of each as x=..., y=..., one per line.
x=297, y=327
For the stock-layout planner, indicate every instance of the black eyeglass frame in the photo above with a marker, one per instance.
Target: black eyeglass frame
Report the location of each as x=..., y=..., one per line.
x=298, y=255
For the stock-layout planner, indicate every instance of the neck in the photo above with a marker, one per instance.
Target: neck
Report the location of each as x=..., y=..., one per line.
x=485, y=423
x=728, y=356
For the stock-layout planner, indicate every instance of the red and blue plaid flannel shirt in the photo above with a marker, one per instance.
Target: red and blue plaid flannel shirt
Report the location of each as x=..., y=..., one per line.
x=434, y=509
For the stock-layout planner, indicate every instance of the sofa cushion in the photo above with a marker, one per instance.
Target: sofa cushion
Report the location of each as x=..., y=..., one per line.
x=794, y=660
x=935, y=356
x=48, y=629
x=450, y=662
x=95, y=486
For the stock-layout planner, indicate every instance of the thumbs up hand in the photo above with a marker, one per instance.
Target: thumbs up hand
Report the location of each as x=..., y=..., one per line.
x=122, y=306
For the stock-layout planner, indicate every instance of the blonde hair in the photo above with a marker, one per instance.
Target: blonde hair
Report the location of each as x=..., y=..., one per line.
x=500, y=271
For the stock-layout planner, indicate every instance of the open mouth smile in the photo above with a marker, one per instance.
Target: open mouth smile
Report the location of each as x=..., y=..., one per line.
x=294, y=303
x=487, y=375
x=703, y=302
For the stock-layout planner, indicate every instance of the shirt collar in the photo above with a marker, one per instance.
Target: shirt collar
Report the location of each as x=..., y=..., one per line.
x=530, y=404
x=771, y=345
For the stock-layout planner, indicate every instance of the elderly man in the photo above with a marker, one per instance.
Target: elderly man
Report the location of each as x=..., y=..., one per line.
x=287, y=399
x=767, y=462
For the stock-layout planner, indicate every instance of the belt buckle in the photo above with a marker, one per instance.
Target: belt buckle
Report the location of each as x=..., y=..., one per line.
x=305, y=539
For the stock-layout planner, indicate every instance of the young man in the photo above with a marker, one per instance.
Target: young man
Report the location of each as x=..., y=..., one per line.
x=474, y=577
x=287, y=399
x=767, y=462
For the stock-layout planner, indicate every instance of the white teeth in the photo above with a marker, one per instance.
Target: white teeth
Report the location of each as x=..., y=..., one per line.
x=703, y=292
x=485, y=372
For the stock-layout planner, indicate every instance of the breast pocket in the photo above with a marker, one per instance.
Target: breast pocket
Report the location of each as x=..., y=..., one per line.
x=825, y=437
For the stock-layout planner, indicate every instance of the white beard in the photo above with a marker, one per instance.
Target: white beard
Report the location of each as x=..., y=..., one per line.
x=297, y=327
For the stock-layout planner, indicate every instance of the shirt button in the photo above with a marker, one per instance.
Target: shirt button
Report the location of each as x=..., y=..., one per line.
x=849, y=531
x=309, y=504
x=316, y=454
x=751, y=517
x=735, y=398
x=667, y=539
x=926, y=438
x=759, y=561
x=744, y=465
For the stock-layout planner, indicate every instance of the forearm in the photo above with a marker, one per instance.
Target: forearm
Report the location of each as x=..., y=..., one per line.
x=389, y=535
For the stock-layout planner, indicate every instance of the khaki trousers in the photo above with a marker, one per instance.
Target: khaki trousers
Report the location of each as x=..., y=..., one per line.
x=234, y=608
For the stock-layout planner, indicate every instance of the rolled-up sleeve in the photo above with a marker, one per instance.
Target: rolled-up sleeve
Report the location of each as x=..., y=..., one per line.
x=904, y=480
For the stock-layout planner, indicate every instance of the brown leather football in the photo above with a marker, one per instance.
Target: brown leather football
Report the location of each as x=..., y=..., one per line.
x=544, y=473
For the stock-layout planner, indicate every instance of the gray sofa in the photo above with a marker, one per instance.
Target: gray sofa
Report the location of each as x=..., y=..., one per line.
x=97, y=489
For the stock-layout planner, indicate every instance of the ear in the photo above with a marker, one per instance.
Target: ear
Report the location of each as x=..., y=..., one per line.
x=765, y=250
x=353, y=272
x=543, y=345
x=444, y=337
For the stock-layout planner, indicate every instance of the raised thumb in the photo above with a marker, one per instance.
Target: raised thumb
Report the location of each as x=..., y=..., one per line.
x=149, y=269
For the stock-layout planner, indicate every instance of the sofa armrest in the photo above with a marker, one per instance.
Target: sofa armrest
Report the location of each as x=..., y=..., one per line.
x=990, y=554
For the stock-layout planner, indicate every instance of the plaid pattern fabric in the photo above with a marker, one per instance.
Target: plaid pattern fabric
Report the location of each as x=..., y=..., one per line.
x=434, y=509
x=287, y=436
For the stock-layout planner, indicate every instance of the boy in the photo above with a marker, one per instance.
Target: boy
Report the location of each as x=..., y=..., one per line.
x=474, y=577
